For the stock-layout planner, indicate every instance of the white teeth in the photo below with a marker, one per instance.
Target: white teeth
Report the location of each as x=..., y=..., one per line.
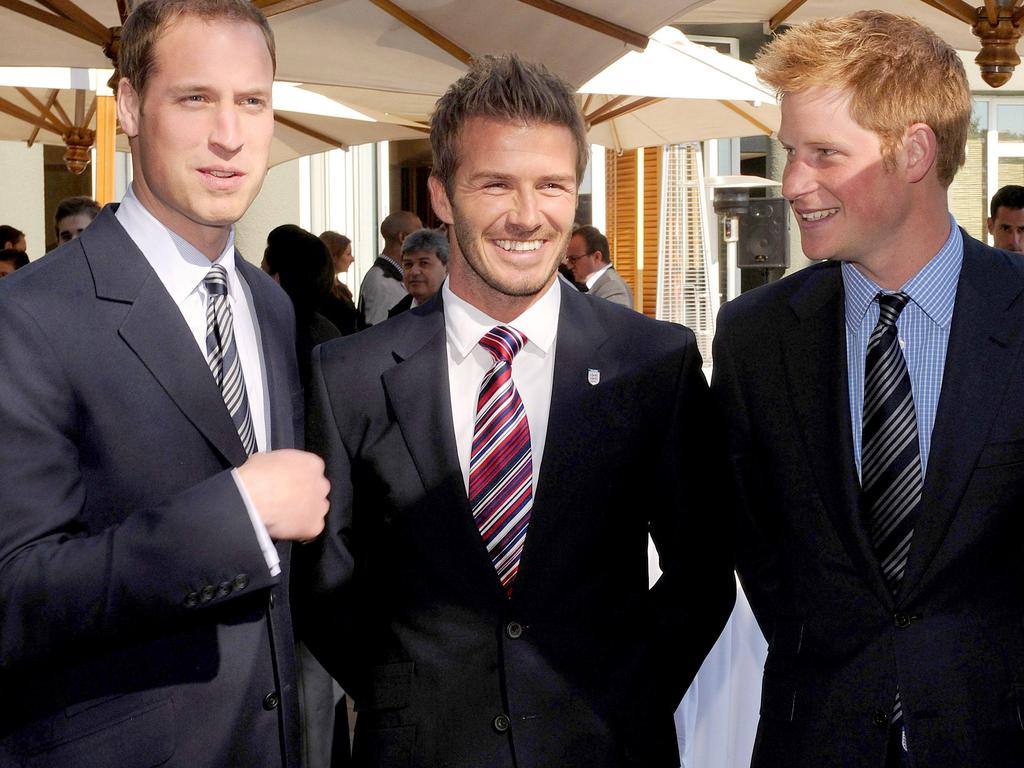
x=818, y=215
x=519, y=245
x=222, y=174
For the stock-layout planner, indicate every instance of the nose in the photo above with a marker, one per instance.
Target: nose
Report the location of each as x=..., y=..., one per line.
x=797, y=179
x=524, y=212
x=226, y=132
x=1018, y=241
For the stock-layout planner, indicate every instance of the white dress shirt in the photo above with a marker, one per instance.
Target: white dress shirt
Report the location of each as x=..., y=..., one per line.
x=533, y=368
x=182, y=268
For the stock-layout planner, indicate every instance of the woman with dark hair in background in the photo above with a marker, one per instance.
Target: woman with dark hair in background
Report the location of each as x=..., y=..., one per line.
x=338, y=306
x=300, y=262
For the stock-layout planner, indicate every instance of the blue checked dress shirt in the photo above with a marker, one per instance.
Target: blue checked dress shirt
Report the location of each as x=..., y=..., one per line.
x=923, y=328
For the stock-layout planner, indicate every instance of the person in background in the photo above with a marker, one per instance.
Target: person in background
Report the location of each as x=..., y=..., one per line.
x=424, y=267
x=73, y=215
x=591, y=263
x=338, y=306
x=12, y=238
x=9, y=259
x=1006, y=219
x=382, y=286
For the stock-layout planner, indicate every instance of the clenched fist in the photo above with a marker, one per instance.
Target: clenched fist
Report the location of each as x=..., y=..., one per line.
x=289, y=491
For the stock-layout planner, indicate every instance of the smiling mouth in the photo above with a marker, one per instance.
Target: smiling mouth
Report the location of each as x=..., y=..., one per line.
x=519, y=245
x=817, y=215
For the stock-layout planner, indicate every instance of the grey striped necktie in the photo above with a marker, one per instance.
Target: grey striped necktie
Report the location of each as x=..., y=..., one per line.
x=222, y=355
x=891, y=477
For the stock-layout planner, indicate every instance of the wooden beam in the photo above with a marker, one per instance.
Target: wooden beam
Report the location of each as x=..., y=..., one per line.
x=608, y=106
x=596, y=23
x=627, y=108
x=274, y=7
x=752, y=120
x=312, y=133
x=53, y=20
x=70, y=11
x=79, y=107
x=1018, y=15
x=958, y=9
x=44, y=109
x=426, y=31
x=106, y=120
x=784, y=13
x=49, y=103
x=991, y=12
x=89, y=113
x=62, y=114
x=23, y=114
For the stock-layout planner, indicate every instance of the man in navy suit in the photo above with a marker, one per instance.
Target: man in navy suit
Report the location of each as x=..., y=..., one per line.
x=149, y=406
x=481, y=588
x=873, y=416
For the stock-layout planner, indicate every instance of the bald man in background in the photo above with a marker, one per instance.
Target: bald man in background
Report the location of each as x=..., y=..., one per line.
x=382, y=285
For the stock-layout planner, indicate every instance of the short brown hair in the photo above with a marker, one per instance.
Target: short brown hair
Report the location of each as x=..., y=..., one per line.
x=595, y=241
x=335, y=241
x=504, y=88
x=150, y=18
x=896, y=72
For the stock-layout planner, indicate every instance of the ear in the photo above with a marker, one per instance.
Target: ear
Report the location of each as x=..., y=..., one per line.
x=129, y=108
x=439, y=200
x=990, y=223
x=921, y=149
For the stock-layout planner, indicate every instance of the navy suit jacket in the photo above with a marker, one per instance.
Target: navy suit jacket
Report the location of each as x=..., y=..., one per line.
x=583, y=666
x=952, y=638
x=139, y=623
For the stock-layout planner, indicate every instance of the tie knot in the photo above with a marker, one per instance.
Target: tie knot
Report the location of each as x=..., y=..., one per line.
x=889, y=307
x=216, y=281
x=503, y=343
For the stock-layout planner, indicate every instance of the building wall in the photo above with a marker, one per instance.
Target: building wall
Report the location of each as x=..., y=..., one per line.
x=276, y=204
x=21, y=193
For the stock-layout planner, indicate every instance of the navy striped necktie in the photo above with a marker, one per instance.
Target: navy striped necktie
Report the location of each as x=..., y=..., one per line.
x=222, y=355
x=501, y=459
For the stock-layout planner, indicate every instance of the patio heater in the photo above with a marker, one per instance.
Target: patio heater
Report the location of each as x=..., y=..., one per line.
x=731, y=200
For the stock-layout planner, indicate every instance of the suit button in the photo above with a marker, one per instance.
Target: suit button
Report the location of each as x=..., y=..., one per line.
x=514, y=630
x=191, y=600
x=502, y=723
x=240, y=582
x=901, y=620
x=270, y=701
x=207, y=593
x=881, y=719
x=224, y=589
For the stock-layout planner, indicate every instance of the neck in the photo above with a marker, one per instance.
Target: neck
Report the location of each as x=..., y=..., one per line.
x=925, y=229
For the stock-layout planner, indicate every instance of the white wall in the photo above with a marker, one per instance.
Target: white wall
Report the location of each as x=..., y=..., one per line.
x=276, y=204
x=21, y=193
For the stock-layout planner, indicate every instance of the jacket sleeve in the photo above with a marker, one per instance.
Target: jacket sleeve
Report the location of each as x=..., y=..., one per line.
x=75, y=578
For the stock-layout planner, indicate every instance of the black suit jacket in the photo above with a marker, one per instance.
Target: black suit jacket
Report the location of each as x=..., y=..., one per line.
x=583, y=666
x=139, y=623
x=952, y=639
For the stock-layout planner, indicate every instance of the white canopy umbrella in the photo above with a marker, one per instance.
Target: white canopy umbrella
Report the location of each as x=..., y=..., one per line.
x=676, y=91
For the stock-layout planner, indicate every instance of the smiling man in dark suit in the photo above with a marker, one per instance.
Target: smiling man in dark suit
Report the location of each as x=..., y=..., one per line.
x=876, y=435
x=498, y=457
x=149, y=404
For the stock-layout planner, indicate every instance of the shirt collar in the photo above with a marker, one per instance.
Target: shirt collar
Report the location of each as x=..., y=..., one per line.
x=933, y=288
x=466, y=325
x=396, y=264
x=593, y=277
x=180, y=266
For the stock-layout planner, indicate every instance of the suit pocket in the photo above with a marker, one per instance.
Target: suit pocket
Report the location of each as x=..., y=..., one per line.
x=141, y=739
x=384, y=747
x=389, y=688
x=997, y=454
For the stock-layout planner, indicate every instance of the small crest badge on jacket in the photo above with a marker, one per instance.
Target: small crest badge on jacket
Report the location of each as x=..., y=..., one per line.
x=593, y=376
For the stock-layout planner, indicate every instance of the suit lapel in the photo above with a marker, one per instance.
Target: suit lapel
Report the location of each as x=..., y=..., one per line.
x=157, y=333
x=578, y=349
x=984, y=343
x=814, y=354
x=419, y=396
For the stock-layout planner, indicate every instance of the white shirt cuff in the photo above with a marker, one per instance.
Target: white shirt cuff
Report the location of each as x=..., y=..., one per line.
x=262, y=536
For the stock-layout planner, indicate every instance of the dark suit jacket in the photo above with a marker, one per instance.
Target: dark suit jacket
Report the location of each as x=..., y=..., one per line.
x=403, y=306
x=139, y=623
x=583, y=666
x=839, y=642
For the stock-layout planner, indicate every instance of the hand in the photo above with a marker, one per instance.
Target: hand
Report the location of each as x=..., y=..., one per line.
x=289, y=491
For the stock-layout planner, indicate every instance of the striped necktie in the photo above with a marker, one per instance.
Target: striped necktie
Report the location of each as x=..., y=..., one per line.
x=222, y=355
x=891, y=477
x=501, y=462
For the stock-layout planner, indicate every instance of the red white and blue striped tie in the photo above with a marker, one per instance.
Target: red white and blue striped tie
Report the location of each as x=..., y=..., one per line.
x=501, y=461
